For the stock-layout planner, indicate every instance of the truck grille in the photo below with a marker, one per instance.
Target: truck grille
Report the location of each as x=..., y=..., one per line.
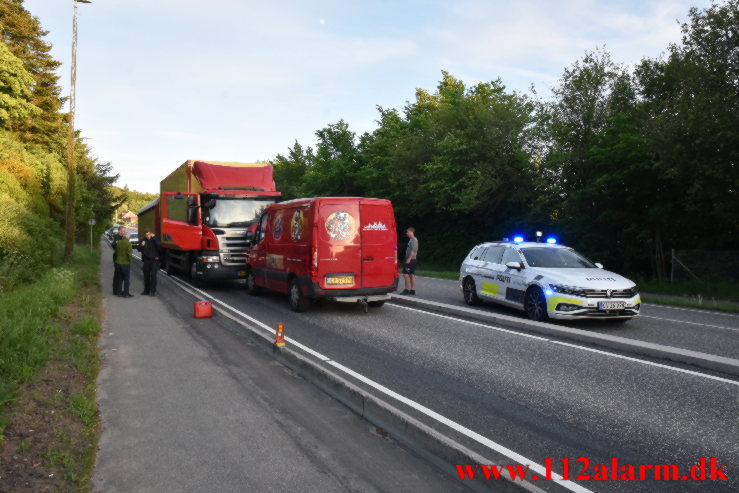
x=232, y=246
x=615, y=293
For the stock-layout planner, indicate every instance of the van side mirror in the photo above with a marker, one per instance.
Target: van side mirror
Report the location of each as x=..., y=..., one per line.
x=599, y=265
x=514, y=265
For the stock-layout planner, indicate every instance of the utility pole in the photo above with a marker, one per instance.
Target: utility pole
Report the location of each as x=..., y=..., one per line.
x=69, y=219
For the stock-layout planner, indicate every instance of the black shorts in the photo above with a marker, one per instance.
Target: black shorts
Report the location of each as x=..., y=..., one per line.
x=410, y=267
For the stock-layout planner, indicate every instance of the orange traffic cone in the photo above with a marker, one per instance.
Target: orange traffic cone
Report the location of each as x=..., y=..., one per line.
x=280, y=336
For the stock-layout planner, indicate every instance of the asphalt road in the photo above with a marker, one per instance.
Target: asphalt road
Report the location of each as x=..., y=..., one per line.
x=537, y=397
x=193, y=405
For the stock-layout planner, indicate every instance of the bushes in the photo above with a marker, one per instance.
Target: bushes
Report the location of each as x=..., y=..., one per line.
x=30, y=240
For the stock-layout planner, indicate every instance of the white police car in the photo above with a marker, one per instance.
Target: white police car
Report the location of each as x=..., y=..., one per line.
x=546, y=280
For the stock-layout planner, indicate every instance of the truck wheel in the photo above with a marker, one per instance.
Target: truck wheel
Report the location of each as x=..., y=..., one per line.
x=536, y=305
x=251, y=285
x=298, y=302
x=168, y=266
x=195, y=279
x=469, y=290
x=376, y=304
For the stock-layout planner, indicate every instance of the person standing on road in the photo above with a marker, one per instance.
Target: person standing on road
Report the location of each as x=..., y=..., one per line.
x=409, y=266
x=123, y=254
x=149, y=249
x=116, y=278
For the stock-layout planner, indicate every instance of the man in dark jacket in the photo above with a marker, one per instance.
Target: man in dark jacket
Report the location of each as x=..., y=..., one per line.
x=123, y=254
x=116, y=275
x=149, y=249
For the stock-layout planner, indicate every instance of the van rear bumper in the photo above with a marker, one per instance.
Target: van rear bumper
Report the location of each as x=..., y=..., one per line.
x=315, y=291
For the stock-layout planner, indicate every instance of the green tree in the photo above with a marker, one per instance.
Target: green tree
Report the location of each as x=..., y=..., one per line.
x=692, y=98
x=290, y=170
x=23, y=35
x=15, y=90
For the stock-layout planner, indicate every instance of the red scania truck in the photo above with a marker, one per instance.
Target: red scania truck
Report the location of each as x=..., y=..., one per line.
x=203, y=213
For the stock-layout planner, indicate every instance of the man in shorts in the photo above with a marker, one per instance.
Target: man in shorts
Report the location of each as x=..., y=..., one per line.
x=409, y=266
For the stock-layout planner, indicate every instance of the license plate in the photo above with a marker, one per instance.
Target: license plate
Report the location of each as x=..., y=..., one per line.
x=611, y=305
x=242, y=273
x=340, y=280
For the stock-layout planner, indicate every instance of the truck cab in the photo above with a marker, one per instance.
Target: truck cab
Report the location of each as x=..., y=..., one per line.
x=203, y=214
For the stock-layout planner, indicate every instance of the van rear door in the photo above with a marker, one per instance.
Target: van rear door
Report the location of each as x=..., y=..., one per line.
x=379, y=243
x=337, y=242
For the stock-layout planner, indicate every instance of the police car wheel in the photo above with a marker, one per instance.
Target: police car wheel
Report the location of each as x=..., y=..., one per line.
x=470, y=292
x=536, y=305
x=298, y=302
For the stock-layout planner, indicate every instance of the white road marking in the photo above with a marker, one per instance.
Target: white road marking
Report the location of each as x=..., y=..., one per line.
x=650, y=363
x=696, y=310
x=585, y=348
x=520, y=459
x=690, y=323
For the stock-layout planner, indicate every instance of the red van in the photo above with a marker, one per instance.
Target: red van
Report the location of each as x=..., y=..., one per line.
x=340, y=248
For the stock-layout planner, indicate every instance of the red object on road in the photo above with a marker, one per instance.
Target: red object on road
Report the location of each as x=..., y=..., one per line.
x=203, y=309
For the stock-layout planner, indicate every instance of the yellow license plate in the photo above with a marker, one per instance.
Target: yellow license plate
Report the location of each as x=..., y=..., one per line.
x=242, y=273
x=340, y=280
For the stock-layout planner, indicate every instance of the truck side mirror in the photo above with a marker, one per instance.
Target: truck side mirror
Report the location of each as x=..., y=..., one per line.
x=249, y=238
x=192, y=213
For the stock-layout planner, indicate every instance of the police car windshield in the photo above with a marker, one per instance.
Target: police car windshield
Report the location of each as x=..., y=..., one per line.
x=556, y=257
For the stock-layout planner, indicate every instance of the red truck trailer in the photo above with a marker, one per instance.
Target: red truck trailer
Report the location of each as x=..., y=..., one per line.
x=203, y=213
x=339, y=248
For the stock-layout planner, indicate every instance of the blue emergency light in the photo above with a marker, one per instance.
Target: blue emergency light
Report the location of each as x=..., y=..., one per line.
x=551, y=240
x=518, y=239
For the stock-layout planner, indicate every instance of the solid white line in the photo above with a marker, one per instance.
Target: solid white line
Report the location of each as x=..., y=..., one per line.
x=411, y=403
x=520, y=459
x=650, y=363
x=469, y=322
x=251, y=319
x=691, y=323
x=585, y=348
x=696, y=310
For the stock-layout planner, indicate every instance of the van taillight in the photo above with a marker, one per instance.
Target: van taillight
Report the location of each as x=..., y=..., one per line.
x=314, y=263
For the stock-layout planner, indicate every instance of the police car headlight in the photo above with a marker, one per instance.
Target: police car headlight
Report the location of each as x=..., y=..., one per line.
x=571, y=290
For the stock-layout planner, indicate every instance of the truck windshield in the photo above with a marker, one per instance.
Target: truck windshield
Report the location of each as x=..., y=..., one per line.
x=237, y=212
x=556, y=257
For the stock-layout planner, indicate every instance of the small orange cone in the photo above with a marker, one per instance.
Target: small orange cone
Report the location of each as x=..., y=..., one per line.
x=280, y=336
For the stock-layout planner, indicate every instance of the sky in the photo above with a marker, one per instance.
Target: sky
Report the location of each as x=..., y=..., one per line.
x=163, y=81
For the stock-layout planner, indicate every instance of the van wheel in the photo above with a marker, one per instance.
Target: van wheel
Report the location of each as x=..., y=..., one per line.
x=536, y=305
x=251, y=285
x=298, y=302
x=376, y=304
x=470, y=292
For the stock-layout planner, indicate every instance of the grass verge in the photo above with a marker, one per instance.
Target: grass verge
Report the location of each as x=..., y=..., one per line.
x=439, y=274
x=48, y=369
